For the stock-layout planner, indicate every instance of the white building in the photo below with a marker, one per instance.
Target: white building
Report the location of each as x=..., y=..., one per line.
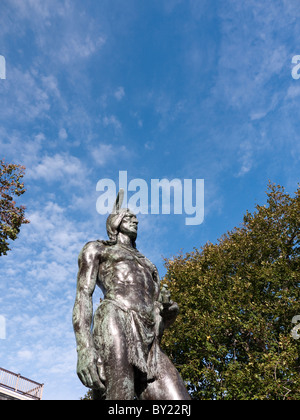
x=16, y=387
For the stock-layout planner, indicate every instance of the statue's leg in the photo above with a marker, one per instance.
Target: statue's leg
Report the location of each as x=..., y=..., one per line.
x=169, y=386
x=119, y=375
x=110, y=341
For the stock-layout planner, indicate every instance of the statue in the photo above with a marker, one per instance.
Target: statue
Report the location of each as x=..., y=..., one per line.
x=120, y=357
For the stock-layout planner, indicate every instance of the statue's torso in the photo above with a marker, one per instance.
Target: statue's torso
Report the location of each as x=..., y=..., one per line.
x=127, y=277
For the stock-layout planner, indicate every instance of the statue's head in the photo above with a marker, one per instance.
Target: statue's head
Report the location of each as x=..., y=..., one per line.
x=115, y=219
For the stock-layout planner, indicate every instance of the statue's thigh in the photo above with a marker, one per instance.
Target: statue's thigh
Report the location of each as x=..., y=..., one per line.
x=169, y=386
x=110, y=341
x=109, y=334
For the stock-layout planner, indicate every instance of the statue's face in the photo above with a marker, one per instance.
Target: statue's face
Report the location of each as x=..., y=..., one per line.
x=129, y=225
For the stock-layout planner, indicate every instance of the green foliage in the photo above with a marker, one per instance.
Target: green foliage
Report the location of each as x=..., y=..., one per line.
x=11, y=215
x=237, y=298
x=92, y=395
x=88, y=396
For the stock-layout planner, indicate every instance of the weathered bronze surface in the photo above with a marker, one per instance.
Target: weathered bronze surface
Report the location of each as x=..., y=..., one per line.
x=119, y=355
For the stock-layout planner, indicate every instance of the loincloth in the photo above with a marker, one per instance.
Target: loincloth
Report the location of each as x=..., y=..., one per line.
x=140, y=335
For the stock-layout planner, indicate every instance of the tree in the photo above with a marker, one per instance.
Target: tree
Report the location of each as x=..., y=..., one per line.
x=232, y=338
x=92, y=395
x=88, y=396
x=11, y=215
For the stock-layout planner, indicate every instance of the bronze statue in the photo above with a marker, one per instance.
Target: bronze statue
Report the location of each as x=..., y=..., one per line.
x=120, y=357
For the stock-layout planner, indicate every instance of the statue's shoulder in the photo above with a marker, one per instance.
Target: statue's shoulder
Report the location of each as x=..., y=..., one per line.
x=93, y=248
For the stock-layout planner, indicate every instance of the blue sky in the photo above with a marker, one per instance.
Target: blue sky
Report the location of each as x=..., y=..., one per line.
x=188, y=89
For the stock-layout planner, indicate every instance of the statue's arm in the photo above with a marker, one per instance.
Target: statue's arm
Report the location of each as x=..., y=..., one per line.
x=88, y=367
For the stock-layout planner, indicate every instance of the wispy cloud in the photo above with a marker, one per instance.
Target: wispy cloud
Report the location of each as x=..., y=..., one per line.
x=119, y=93
x=250, y=56
x=41, y=293
x=59, y=167
x=106, y=154
x=25, y=95
x=76, y=48
x=113, y=121
x=28, y=148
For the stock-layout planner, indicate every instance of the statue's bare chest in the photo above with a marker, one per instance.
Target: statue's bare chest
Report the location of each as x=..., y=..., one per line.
x=121, y=261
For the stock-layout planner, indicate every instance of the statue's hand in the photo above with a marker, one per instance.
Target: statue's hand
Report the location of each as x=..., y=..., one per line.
x=165, y=296
x=169, y=310
x=90, y=369
x=169, y=313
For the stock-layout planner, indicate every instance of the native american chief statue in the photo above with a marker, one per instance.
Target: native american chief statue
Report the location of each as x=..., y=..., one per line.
x=119, y=358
